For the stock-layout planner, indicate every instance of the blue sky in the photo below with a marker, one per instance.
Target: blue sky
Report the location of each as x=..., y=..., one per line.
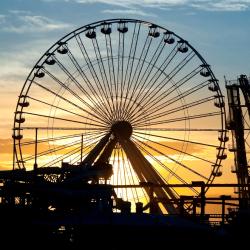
x=218, y=29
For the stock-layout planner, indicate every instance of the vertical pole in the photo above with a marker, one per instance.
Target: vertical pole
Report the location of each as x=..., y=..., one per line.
x=201, y=184
x=34, y=199
x=14, y=152
x=203, y=199
x=182, y=202
x=194, y=206
x=223, y=210
x=81, y=148
x=35, y=164
x=223, y=207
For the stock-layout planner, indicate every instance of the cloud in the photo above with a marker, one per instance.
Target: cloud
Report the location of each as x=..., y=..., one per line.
x=2, y=19
x=222, y=6
x=210, y=5
x=19, y=60
x=20, y=12
x=19, y=21
x=136, y=12
x=132, y=3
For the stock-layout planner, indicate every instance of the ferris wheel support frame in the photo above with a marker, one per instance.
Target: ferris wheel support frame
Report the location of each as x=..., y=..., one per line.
x=100, y=104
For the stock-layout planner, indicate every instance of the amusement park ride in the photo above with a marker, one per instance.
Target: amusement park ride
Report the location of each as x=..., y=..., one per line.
x=122, y=123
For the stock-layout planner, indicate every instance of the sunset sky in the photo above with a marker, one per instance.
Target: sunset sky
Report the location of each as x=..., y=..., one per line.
x=218, y=29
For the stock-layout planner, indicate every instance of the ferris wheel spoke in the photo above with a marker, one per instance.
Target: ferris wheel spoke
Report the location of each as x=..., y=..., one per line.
x=140, y=64
x=118, y=75
x=179, y=119
x=154, y=158
x=175, y=149
x=147, y=72
x=89, y=144
x=165, y=167
x=102, y=70
x=159, y=71
x=91, y=69
x=175, y=87
x=71, y=103
x=76, y=82
x=179, y=97
x=95, y=129
x=75, y=160
x=64, y=86
x=62, y=119
x=174, y=110
x=60, y=158
x=170, y=90
x=139, y=67
x=88, y=83
x=52, y=150
x=171, y=191
x=176, y=139
x=115, y=178
x=182, y=64
x=175, y=161
x=184, y=94
x=151, y=102
x=119, y=179
x=151, y=65
x=178, y=129
x=133, y=176
x=124, y=172
x=153, y=98
x=105, y=86
x=130, y=64
x=157, y=115
x=121, y=65
x=153, y=80
x=111, y=69
x=66, y=145
x=56, y=138
x=68, y=111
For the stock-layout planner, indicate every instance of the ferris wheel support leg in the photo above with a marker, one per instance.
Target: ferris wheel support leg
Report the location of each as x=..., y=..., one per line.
x=96, y=151
x=146, y=173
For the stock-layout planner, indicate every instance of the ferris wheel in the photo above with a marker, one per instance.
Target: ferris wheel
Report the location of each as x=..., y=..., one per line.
x=126, y=93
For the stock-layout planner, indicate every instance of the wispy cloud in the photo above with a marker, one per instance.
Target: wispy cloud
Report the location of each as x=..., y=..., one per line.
x=132, y=3
x=18, y=61
x=2, y=18
x=19, y=21
x=210, y=5
x=20, y=12
x=222, y=5
x=136, y=12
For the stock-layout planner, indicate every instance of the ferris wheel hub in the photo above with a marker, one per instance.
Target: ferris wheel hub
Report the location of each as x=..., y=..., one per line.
x=122, y=129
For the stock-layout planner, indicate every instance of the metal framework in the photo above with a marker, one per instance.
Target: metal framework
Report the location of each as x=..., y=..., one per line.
x=238, y=123
x=128, y=99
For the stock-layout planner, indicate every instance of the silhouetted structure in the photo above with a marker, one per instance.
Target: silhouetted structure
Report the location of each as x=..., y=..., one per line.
x=238, y=124
x=128, y=83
